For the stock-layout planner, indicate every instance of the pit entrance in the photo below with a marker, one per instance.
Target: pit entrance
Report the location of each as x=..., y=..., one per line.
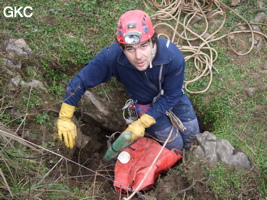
x=99, y=179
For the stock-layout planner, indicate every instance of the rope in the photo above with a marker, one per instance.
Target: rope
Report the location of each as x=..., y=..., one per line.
x=184, y=12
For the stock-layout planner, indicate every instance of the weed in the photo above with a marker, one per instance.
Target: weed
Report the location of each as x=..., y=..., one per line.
x=222, y=180
x=41, y=118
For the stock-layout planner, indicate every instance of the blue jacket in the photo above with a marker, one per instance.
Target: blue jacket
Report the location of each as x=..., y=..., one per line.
x=141, y=86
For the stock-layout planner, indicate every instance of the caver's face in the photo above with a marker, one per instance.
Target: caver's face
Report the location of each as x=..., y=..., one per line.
x=139, y=55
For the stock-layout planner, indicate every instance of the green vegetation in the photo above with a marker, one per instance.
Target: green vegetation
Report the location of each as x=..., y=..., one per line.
x=64, y=35
x=231, y=114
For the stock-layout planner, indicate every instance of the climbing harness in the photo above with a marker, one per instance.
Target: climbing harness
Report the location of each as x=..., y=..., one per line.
x=130, y=113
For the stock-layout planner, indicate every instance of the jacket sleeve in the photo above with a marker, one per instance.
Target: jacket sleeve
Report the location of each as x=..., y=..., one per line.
x=97, y=71
x=172, y=84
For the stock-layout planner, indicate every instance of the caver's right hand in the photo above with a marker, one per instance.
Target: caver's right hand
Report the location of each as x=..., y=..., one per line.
x=67, y=130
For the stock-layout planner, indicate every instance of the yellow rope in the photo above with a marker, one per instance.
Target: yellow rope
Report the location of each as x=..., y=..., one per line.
x=203, y=54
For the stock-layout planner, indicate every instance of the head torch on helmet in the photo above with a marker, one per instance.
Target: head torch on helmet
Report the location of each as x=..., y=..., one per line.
x=133, y=27
x=132, y=37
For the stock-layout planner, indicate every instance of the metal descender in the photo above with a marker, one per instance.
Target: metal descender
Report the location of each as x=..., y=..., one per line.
x=175, y=121
x=130, y=113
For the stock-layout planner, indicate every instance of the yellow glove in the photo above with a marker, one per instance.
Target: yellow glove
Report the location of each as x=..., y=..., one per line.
x=137, y=128
x=67, y=130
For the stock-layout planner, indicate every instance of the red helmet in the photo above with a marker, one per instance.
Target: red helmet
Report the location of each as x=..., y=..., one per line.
x=133, y=27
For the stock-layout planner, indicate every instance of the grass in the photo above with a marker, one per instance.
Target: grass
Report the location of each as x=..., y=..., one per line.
x=64, y=36
x=19, y=173
x=62, y=48
x=236, y=117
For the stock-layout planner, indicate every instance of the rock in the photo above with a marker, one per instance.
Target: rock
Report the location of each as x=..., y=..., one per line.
x=36, y=84
x=197, y=18
x=216, y=149
x=17, y=47
x=241, y=27
x=224, y=150
x=216, y=22
x=208, y=146
x=83, y=142
x=231, y=36
x=235, y=2
x=251, y=91
x=260, y=16
x=207, y=35
x=212, y=15
x=10, y=64
x=14, y=83
x=240, y=160
x=199, y=152
x=261, y=4
x=100, y=112
x=16, y=50
x=255, y=41
x=264, y=67
x=256, y=28
x=7, y=72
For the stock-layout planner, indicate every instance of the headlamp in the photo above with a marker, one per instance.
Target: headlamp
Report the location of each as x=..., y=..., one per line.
x=132, y=37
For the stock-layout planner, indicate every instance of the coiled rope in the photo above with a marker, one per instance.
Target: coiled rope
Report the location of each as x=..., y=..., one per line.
x=182, y=13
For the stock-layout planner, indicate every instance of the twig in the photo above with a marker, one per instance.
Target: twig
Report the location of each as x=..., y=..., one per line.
x=49, y=171
x=105, y=93
x=6, y=183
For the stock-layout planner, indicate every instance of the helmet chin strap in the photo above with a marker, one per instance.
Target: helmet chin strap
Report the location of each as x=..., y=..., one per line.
x=152, y=53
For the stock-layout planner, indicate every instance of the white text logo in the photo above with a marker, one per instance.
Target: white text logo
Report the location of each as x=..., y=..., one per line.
x=20, y=11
